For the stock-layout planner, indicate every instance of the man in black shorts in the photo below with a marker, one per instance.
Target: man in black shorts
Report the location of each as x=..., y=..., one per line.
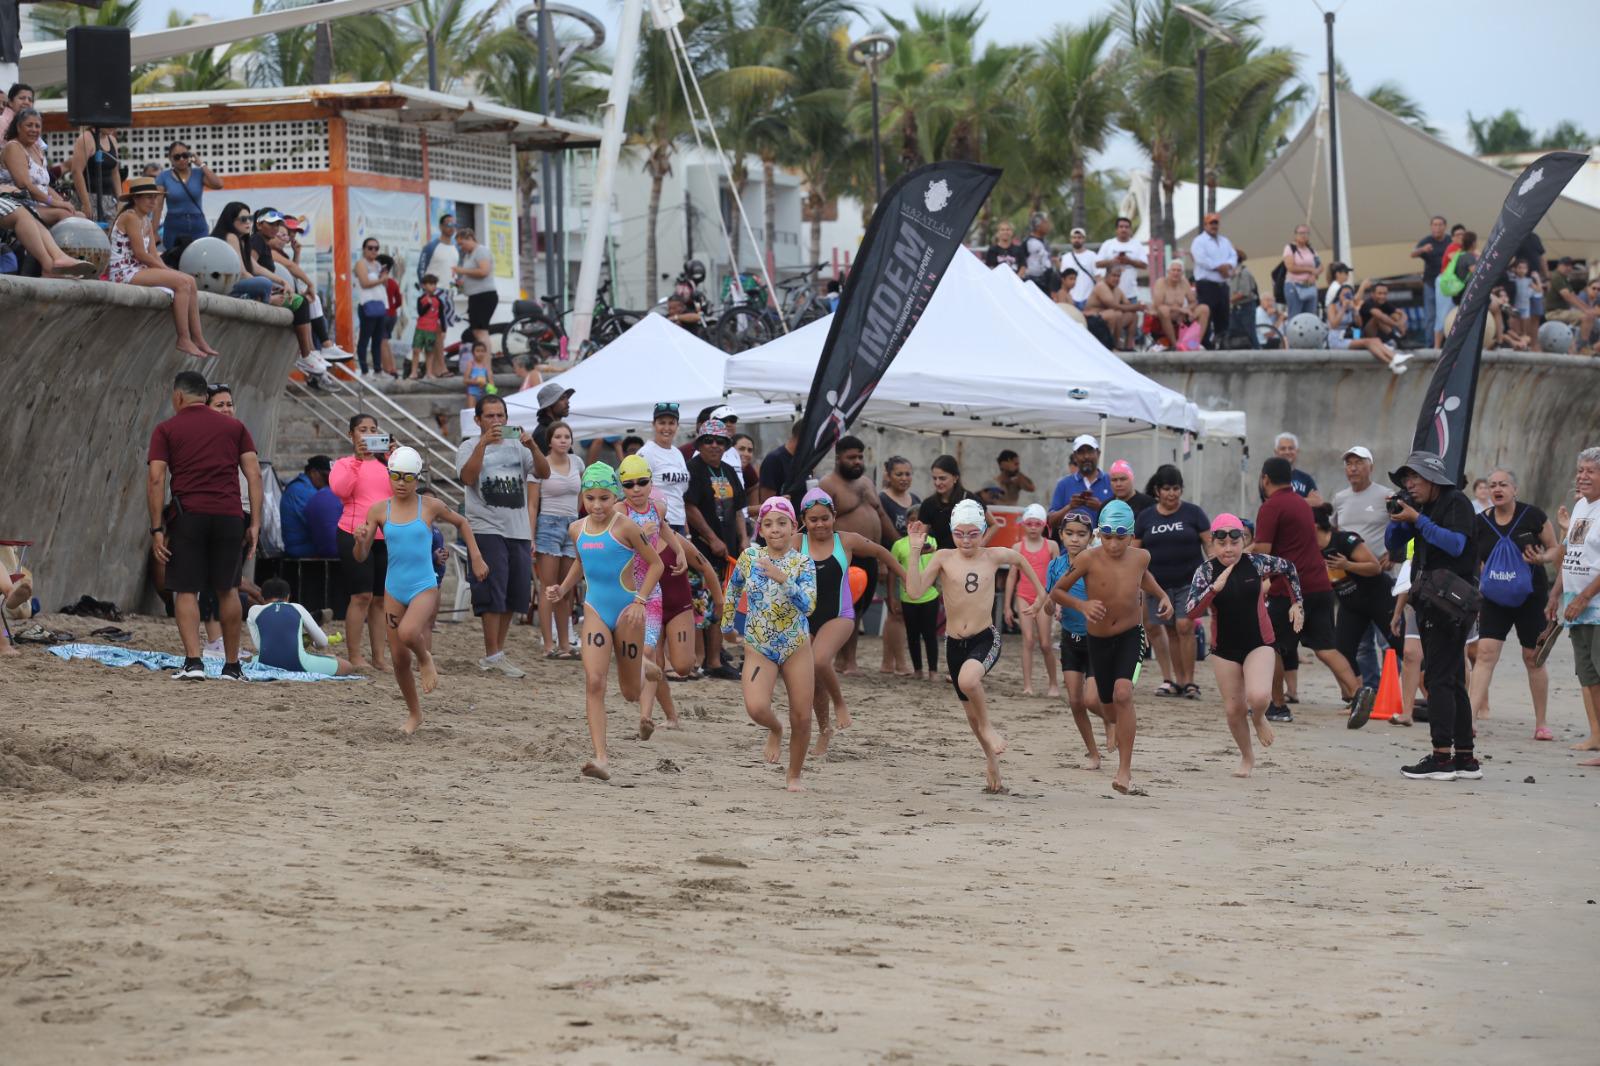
x=200, y=536
x=1285, y=528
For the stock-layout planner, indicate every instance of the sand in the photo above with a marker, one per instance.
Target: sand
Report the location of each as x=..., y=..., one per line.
x=272, y=874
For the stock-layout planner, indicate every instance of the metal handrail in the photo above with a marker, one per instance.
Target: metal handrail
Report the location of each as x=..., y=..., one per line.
x=335, y=400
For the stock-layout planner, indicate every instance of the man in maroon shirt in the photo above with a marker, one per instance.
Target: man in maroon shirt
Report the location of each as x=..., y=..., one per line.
x=1285, y=528
x=202, y=538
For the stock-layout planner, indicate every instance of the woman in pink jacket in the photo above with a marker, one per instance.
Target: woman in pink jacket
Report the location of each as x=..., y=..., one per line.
x=361, y=480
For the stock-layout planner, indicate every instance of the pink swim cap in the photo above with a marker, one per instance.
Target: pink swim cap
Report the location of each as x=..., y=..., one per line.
x=778, y=503
x=1122, y=466
x=1226, y=521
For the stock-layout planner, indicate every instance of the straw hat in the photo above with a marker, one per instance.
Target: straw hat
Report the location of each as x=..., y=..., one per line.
x=141, y=186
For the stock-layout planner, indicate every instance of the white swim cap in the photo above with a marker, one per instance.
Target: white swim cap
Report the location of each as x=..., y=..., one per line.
x=968, y=513
x=1035, y=513
x=405, y=461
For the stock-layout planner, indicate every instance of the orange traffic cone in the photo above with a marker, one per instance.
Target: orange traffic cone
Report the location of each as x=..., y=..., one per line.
x=1387, y=703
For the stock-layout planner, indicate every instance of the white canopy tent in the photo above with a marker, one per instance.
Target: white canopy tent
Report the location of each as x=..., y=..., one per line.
x=616, y=389
x=978, y=364
x=1395, y=178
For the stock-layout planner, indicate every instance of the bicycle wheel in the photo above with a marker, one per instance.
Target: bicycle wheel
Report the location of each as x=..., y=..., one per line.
x=535, y=335
x=742, y=329
x=612, y=325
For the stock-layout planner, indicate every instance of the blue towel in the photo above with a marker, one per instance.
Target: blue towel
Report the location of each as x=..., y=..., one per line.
x=111, y=655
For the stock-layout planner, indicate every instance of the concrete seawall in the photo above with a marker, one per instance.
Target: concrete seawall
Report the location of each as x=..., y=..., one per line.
x=89, y=372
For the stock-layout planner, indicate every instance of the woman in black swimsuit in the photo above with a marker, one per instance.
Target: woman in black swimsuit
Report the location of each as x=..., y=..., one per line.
x=1232, y=585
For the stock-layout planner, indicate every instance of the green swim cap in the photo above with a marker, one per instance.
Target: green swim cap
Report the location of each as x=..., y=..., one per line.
x=601, y=476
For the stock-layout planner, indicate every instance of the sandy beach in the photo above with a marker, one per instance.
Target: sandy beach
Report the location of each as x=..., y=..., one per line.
x=270, y=873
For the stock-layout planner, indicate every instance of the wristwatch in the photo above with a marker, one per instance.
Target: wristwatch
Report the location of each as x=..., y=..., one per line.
x=157, y=529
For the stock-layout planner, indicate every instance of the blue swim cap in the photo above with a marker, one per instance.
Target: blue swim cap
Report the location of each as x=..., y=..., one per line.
x=1116, y=517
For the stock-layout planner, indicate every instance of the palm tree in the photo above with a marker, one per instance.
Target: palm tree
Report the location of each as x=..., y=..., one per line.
x=1499, y=134
x=1244, y=83
x=207, y=70
x=1392, y=98
x=1076, y=94
x=820, y=143
x=52, y=21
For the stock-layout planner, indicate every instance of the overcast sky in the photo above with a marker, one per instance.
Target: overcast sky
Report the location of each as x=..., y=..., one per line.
x=1513, y=58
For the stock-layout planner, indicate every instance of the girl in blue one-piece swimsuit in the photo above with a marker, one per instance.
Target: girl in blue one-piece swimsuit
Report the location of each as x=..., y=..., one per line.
x=782, y=583
x=614, y=601
x=411, y=591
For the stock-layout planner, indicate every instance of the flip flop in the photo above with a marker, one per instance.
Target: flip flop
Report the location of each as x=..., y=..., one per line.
x=112, y=633
x=1168, y=690
x=1543, y=733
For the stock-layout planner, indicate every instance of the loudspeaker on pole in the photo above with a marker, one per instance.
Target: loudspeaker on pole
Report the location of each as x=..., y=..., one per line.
x=99, y=77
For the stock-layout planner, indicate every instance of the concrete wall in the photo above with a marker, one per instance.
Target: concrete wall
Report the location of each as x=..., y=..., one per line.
x=88, y=374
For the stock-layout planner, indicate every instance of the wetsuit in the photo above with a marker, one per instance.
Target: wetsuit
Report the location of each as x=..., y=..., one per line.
x=277, y=630
x=775, y=623
x=1240, y=623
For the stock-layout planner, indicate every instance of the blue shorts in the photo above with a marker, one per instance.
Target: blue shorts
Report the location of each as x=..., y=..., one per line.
x=508, y=589
x=554, y=536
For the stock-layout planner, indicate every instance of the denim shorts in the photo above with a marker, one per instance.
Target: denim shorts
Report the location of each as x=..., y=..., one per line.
x=554, y=536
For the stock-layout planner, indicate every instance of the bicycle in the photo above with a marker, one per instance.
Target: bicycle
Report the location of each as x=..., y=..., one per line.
x=754, y=321
x=536, y=326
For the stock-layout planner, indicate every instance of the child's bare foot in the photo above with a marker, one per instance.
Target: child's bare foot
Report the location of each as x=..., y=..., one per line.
x=774, y=746
x=9, y=650
x=596, y=768
x=1126, y=786
x=850, y=671
x=997, y=742
x=1092, y=762
x=824, y=736
x=991, y=778
x=1247, y=763
x=1590, y=762
x=413, y=723
x=1054, y=692
x=204, y=347
x=190, y=348
x=904, y=673
x=646, y=727
x=429, y=672
x=672, y=722
x=844, y=718
x=794, y=785
x=1027, y=691
x=916, y=675
x=1264, y=731
x=1587, y=744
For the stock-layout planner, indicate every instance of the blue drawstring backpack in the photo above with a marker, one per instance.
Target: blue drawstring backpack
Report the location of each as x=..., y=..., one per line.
x=1507, y=579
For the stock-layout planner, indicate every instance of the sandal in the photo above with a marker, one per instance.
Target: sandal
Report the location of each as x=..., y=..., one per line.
x=112, y=633
x=1191, y=691
x=1168, y=689
x=1543, y=733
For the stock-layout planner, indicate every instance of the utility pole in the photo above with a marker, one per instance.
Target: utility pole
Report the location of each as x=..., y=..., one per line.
x=1333, y=140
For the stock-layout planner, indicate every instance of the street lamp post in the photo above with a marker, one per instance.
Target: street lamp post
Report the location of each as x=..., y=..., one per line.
x=1333, y=140
x=1211, y=30
x=871, y=52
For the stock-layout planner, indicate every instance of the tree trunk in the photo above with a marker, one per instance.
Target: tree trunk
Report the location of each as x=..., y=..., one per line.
x=1080, y=195
x=769, y=211
x=816, y=204
x=1169, y=184
x=322, y=54
x=1211, y=190
x=736, y=215
x=1153, y=200
x=528, y=261
x=658, y=174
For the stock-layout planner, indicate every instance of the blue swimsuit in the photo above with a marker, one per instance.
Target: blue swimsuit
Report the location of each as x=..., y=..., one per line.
x=410, y=544
x=606, y=561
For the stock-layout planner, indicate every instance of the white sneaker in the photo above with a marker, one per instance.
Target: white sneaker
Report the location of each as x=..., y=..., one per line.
x=501, y=663
x=213, y=649
x=335, y=354
x=312, y=366
x=1398, y=365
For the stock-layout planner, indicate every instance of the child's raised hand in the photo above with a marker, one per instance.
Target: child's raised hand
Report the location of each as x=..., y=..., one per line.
x=1094, y=610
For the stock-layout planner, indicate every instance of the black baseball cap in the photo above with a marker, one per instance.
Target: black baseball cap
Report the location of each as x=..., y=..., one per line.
x=665, y=409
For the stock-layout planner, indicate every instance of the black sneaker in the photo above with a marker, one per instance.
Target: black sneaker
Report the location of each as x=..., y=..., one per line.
x=1433, y=767
x=724, y=673
x=232, y=672
x=1360, y=708
x=1276, y=712
x=1419, y=709
x=1467, y=766
x=192, y=670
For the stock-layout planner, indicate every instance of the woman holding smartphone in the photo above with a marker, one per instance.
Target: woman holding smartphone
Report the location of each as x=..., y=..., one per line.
x=360, y=480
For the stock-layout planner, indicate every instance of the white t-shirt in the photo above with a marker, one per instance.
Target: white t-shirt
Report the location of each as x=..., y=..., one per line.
x=1133, y=250
x=1038, y=256
x=670, y=473
x=1580, y=561
x=1083, y=263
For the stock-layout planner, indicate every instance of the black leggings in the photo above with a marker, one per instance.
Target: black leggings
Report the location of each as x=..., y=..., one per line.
x=1357, y=615
x=922, y=625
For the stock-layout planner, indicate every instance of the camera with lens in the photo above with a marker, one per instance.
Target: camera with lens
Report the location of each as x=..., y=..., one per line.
x=1400, y=500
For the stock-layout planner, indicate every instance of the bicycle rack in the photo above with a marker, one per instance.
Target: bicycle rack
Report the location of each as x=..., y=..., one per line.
x=336, y=399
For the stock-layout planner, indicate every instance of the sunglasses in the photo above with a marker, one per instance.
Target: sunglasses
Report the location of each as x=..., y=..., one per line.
x=1227, y=534
x=181, y=156
x=369, y=247
x=662, y=408
x=636, y=483
x=395, y=475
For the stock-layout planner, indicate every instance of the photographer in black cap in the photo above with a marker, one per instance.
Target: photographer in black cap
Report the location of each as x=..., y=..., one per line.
x=1438, y=515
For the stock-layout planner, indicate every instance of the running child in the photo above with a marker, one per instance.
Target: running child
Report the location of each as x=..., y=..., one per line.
x=614, y=602
x=669, y=612
x=782, y=587
x=279, y=628
x=833, y=620
x=1114, y=573
x=1039, y=554
x=410, y=592
x=1077, y=530
x=966, y=577
x=1233, y=585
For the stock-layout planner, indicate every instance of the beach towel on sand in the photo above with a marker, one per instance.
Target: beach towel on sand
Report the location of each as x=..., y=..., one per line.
x=160, y=660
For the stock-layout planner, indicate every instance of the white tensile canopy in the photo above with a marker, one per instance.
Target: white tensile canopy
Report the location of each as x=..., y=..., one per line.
x=982, y=361
x=1395, y=178
x=616, y=389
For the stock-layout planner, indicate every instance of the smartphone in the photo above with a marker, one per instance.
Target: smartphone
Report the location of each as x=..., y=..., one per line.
x=510, y=432
x=377, y=443
x=1526, y=538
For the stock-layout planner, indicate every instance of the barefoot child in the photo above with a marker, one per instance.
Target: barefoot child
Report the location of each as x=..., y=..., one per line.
x=1113, y=574
x=410, y=591
x=1077, y=529
x=669, y=611
x=833, y=620
x=614, y=601
x=1233, y=586
x=782, y=587
x=920, y=613
x=972, y=641
x=1039, y=553
x=279, y=628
